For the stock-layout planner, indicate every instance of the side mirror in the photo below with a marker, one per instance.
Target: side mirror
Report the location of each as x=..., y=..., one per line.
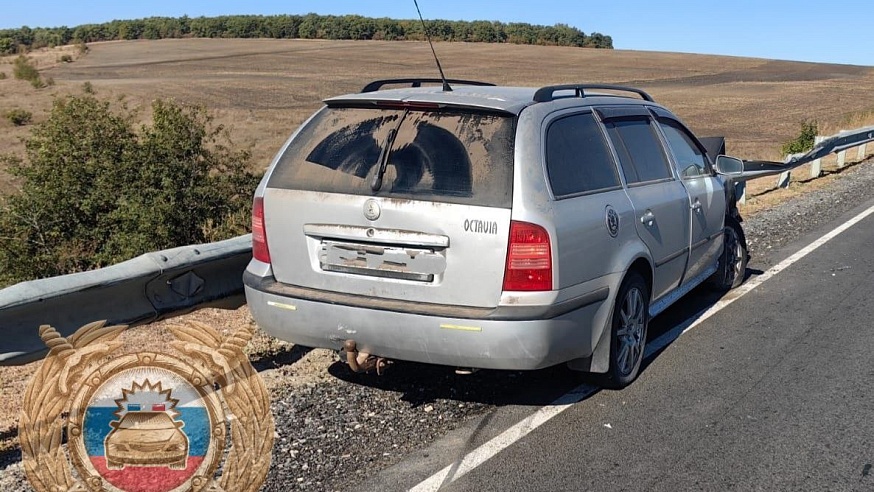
x=729, y=166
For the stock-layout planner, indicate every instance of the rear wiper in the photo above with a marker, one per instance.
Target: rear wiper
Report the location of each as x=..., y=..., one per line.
x=376, y=184
x=384, y=153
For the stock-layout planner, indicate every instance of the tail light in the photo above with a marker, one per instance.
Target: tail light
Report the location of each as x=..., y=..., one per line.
x=529, y=258
x=259, y=232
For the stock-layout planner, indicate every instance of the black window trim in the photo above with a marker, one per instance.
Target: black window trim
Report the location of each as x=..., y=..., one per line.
x=616, y=171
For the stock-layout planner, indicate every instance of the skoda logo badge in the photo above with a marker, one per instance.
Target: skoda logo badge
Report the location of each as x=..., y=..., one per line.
x=371, y=209
x=612, y=221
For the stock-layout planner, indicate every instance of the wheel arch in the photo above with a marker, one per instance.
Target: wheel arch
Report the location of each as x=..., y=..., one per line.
x=731, y=221
x=642, y=266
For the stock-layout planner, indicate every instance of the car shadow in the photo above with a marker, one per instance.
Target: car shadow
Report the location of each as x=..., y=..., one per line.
x=420, y=384
x=274, y=359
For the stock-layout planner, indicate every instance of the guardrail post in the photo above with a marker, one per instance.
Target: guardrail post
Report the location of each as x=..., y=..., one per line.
x=842, y=156
x=862, y=152
x=816, y=166
x=783, y=179
x=842, y=159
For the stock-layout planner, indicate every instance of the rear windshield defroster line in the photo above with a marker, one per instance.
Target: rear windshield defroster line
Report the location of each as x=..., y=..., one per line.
x=450, y=155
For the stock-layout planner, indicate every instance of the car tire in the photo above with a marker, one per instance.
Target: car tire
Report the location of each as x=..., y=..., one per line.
x=732, y=266
x=629, y=325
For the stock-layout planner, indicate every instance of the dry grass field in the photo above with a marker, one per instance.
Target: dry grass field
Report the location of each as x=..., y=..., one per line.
x=262, y=89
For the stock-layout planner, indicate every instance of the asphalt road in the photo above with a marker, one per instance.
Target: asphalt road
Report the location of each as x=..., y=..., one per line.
x=774, y=392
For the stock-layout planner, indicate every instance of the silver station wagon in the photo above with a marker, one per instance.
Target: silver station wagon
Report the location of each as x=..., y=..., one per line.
x=489, y=227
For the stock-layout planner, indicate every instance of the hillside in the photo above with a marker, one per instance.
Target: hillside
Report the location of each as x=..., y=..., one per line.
x=263, y=89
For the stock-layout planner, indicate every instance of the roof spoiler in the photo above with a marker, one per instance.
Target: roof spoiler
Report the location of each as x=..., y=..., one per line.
x=417, y=82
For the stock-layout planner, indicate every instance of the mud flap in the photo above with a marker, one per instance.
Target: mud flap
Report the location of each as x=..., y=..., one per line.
x=599, y=361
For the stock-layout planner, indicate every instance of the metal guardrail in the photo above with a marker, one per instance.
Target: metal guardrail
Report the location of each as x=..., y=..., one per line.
x=144, y=289
x=838, y=144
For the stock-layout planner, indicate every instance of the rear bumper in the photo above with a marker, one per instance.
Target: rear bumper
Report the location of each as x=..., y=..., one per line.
x=465, y=337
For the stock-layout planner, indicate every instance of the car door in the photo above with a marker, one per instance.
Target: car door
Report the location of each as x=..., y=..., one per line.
x=706, y=196
x=659, y=199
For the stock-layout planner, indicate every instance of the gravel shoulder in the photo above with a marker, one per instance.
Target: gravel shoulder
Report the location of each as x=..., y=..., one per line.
x=336, y=428
x=805, y=207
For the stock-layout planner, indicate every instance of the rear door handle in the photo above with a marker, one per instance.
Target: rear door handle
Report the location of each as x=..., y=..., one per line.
x=647, y=218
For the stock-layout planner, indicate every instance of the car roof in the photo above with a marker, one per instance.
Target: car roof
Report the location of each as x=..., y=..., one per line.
x=496, y=98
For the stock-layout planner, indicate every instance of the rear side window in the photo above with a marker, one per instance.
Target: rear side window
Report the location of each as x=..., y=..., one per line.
x=577, y=157
x=640, y=153
x=448, y=156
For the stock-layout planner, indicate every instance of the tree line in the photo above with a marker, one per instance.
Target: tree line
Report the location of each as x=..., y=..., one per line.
x=309, y=26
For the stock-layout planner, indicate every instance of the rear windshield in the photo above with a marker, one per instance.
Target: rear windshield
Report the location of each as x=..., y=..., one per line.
x=446, y=156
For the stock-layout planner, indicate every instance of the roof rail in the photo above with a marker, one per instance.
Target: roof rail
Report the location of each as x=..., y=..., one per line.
x=546, y=94
x=417, y=82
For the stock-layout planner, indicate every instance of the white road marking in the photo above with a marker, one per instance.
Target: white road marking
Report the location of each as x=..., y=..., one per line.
x=779, y=267
x=479, y=455
x=486, y=451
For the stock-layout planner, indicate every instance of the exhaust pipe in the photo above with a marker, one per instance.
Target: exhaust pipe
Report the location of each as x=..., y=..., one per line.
x=362, y=362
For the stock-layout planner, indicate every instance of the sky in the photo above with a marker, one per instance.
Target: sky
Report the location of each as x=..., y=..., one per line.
x=838, y=32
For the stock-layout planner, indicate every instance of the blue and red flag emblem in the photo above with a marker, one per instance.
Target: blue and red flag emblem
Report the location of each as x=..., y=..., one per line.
x=146, y=430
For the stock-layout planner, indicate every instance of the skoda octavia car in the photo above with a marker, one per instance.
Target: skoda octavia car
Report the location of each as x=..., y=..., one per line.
x=490, y=227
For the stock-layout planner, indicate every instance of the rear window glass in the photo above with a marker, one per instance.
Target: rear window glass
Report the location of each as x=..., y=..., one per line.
x=447, y=156
x=577, y=157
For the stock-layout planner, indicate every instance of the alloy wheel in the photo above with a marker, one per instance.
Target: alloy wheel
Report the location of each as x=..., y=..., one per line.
x=632, y=319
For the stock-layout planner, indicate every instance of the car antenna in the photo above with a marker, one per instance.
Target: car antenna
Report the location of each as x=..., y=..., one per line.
x=446, y=87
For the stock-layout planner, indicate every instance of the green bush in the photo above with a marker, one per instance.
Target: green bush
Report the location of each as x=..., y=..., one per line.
x=805, y=139
x=96, y=190
x=19, y=117
x=88, y=88
x=2, y=75
x=66, y=59
x=22, y=69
